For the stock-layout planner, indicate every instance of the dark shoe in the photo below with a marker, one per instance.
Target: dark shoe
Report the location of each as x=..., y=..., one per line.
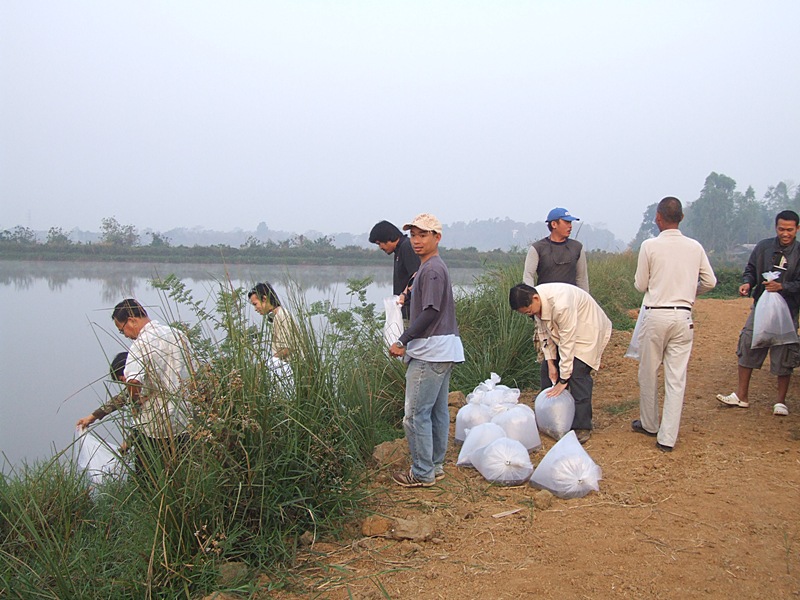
x=663, y=448
x=636, y=426
x=407, y=479
x=583, y=435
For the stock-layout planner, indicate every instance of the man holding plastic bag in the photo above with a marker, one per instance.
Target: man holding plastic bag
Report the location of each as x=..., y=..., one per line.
x=573, y=332
x=431, y=346
x=780, y=255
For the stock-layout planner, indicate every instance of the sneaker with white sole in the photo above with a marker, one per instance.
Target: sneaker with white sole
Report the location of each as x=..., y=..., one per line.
x=407, y=479
x=780, y=410
x=439, y=473
x=732, y=400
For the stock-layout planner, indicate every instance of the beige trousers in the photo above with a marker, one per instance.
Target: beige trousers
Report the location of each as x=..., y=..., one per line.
x=666, y=338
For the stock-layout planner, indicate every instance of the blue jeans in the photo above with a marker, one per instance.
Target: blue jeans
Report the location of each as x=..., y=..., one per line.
x=427, y=419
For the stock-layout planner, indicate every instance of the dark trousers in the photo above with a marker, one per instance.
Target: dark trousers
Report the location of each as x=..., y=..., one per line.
x=580, y=386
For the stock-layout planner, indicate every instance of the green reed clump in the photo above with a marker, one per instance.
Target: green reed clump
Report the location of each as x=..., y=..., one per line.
x=270, y=459
x=495, y=338
x=611, y=285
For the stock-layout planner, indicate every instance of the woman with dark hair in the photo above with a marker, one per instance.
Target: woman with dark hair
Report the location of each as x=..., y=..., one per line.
x=266, y=302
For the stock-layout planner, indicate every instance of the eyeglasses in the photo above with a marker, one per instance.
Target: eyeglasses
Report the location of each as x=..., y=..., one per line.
x=121, y=328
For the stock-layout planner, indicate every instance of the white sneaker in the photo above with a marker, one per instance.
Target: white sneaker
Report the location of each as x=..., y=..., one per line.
x=732, y=400
x=780, y=410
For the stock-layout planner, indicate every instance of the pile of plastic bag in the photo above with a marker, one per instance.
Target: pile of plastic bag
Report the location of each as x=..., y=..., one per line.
x=498, y=433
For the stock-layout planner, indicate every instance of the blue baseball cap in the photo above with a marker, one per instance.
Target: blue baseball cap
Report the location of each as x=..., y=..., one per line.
x=560, y=213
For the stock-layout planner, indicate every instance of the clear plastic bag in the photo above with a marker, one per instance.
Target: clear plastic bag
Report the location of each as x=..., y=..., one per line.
x=469, y=416
x=478, y=437
x=567, y=470
x=554, y=415
x=519, y=423
x=393, y=326
x=772, y=322
x=490, y=392
x=633, y=347
x=503, y=462
x=95, y=458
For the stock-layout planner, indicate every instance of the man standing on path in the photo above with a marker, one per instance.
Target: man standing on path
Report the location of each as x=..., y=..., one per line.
x=573, y=332
x=392, y=241
x=431, y=346
x=556, y=259
x=672, y=269
x=781, y=254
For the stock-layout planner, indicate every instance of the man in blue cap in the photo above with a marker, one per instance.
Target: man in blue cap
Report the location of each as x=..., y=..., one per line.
x=558, y=259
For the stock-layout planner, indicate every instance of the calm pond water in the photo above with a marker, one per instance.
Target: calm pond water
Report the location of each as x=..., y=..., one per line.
x=56, y=333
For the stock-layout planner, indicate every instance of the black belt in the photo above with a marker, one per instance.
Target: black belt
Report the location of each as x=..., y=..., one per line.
x=667, y=308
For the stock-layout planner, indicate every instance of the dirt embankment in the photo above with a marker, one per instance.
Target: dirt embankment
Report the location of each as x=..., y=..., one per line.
x=717, y=518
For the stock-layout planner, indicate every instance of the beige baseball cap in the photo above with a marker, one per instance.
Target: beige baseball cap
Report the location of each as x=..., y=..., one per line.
x=426, y=222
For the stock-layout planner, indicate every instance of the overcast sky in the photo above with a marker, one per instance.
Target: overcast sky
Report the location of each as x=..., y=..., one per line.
x=334, y=115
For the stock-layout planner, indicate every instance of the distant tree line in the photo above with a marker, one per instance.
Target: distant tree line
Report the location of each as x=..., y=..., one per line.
x=120, y=242
x=723, y=219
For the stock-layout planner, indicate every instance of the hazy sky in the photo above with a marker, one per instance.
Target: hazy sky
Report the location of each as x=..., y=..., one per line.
x=333, y=115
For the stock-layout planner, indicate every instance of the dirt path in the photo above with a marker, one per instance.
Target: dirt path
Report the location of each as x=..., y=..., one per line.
x=719, y=517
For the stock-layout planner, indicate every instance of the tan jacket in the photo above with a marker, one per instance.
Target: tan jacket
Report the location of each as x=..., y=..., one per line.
x=574, y=323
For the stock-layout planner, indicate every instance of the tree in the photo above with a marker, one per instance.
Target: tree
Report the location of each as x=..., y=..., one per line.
x=114, y=234
x=19, y=235
x=712, y=217
x=647, y=229
x=57, y=237
x=159, y=240
x=751, y=221
x=777, y=198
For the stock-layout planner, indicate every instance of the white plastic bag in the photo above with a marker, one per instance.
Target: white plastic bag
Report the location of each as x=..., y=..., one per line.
x=567, y=470
x=489, y=392
x=469, y=416
x=633, y=347
x=504, y=462
x=519, y=423
x=554, y=415
x=393, y=326
x=95, y=458
x=478, y=437
x=281, y=372
x=772, y=321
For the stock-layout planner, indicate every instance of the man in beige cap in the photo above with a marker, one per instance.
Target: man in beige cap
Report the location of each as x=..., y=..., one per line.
x=430, y=346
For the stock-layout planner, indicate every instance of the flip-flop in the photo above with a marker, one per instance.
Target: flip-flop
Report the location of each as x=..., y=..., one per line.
x=780, y=410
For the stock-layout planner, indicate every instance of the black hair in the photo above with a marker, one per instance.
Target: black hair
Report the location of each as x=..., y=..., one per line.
x=264, y=291
x=384, y=232
x=787, y=215
x=128, y=309
x=670, y=209
x=117, y=368
x=521, y=296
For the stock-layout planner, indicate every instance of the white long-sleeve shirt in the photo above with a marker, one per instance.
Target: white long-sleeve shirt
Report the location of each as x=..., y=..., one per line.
x=672, y=269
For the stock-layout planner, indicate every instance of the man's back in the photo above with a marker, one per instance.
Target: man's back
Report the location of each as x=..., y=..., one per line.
x=669, y=267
